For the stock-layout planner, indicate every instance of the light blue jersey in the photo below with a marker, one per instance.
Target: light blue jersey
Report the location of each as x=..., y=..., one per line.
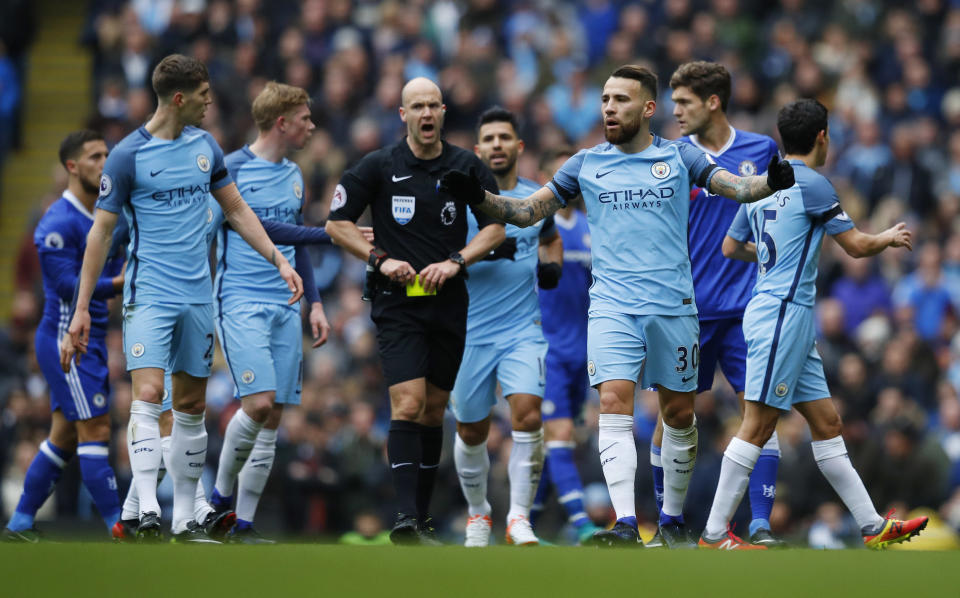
x=161, y=186
x=274, y=191
x=503, y=298
x=637, y=208
x=789, y=227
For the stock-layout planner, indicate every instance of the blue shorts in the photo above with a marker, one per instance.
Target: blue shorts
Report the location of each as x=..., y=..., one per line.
x=176, y=337
x=263, y=344
x=721, y=341
x=783, y=365
x=664, y=349
x=518, y=367
x=566, y=388
x=81, y=393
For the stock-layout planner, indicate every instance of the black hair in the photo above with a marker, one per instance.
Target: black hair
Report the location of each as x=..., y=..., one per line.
x=799, y=124
x=177, y=72
x=72, y=144
x=645, y=76
x=498, y=114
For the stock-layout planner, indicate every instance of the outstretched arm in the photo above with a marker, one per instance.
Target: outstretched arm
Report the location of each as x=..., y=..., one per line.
x=521, y=212
x=748, y=189
x=860, y=244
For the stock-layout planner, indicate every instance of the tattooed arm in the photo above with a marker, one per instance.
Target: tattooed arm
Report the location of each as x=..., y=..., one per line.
x=521, y=212
x=744, y=189
x=749, y=189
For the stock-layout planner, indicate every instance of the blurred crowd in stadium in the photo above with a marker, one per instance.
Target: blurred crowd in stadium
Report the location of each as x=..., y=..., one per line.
x=890, y=327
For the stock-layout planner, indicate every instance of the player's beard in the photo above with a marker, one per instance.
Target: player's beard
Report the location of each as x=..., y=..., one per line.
x=511, y=161
x=626, y=132
x=92, y=188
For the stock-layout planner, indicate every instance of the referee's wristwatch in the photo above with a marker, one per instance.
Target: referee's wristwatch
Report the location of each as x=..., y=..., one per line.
x=456, y=258
x=376, y=259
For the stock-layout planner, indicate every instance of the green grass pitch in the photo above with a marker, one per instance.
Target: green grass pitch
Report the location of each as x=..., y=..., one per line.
x=70, y=569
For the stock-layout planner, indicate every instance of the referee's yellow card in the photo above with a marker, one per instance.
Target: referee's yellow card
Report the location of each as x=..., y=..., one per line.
x=415, y=289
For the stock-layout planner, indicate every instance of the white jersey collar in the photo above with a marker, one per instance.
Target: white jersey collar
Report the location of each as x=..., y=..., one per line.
x=75, y=201
x=733, y=135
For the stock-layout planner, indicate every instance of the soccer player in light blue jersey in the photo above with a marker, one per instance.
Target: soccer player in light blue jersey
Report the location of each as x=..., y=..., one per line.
x=80, y=410
x=643, y=315
x=701, y=91
x=784, y=369
x=564, y=312
x=218, y=523
x=504, y=345
x=259, y=331
x=159, y=176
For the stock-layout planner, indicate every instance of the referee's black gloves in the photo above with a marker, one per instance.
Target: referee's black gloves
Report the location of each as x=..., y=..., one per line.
x=463, y=186
x=548, y=274
x=504, y=251
x=779, y=174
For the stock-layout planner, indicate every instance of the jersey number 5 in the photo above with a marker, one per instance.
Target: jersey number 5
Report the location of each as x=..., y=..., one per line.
x=766, y=258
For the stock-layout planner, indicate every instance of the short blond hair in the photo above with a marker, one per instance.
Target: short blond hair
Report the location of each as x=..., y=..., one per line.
x=276, y=100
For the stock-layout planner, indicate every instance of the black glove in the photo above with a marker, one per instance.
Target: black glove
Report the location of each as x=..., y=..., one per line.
x=504, y=251
x=548, y=274
x=463, y=186
x=779, y=174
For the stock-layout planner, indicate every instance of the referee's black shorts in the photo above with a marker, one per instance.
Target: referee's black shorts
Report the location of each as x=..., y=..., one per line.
x=422, y=337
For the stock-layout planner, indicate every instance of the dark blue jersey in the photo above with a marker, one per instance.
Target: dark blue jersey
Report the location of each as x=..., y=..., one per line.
x=61, y=239
x=723, y=286
x=564, y=309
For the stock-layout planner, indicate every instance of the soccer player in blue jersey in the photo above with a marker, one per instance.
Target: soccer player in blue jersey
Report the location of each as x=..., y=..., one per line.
x=159, y=176
x=564, y=313
x=258, y=330
x=701, y=91
x=80, y=410
x=643, y=316
x=504, y=345
x=784, y=369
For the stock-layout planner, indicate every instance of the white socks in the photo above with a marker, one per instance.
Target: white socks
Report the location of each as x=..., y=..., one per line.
x=523, y=471
x=253, y=476
x=188, y=452
x=738, y=461
x=200, y=505
x=143, y=444
x=473, y=469
x=238, y=441
x=618, y=458
x=679, y=455
x=831, y=457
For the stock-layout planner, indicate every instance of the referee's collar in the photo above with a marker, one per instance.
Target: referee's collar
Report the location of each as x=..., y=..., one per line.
x=411, y=160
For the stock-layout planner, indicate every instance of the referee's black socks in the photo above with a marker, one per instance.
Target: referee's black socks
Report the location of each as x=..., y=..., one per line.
x=404, y=452
x=431, y=443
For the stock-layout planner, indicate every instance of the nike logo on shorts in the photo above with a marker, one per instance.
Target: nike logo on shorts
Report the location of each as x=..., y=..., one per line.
x=687, y=379
x=397, y=179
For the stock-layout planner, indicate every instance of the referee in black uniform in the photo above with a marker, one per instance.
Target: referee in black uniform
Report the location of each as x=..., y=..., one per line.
x=420, y=302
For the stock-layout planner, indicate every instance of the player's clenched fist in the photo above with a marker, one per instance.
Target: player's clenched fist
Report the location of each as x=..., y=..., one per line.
x=779, y=174
x=462, y=185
